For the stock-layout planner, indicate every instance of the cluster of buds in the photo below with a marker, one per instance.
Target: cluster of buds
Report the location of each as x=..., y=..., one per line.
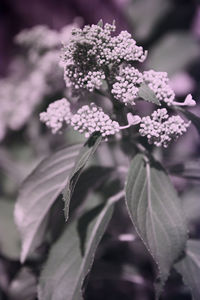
x=91, y=118
x=93, y=55
x=125, y=49
x=56, y=115
x=42, y=38
x=160, y=129
x=17, y=103
x=32, y=76
x=87, y=120
x=39, y=37
x=126, y=86
x=159, y=83
x=91, y=50
x=90, y=81
x=83, y=56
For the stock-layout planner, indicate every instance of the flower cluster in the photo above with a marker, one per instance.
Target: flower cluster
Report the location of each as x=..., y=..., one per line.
x=22, y=93
x=88, y=119
x=93, y=55
x=57, y=113
x=32, y=77
x=124, y=48
x=91, y=118
x=90, y=81
x=39, y=37
x=160, y=129
x=83, y=58
x=126, y=86
x=92, y=50
x=159, y=83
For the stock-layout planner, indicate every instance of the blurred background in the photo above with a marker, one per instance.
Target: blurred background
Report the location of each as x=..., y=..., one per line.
x=170, y=31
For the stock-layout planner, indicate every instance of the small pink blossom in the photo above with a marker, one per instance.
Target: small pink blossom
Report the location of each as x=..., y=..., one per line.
x=91, y=118
x=159, y=83
x=160, y=129
x=56, y=115
x=126, y=85
x=90, y=52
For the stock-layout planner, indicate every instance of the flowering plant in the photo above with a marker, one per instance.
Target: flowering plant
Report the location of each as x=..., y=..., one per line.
x=109, y=69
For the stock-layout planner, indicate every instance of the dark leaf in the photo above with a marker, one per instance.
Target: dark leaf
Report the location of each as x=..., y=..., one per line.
x=85, y=153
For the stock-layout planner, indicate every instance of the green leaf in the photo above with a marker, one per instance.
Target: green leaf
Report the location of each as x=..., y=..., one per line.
x=156, y=212
x=71, y=257
x=171, y=54
x=86, y=152
x=92, y=177
x=38, y=193
x=147, y=94
x=9, y=241
x=192, y=117
x=189, y=268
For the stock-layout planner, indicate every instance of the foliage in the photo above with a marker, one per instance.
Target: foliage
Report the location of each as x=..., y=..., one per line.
x=156, y=212
x=35, y=201
x=81, y=239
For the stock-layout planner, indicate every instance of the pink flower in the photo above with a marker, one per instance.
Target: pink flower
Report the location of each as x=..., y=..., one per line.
x=159, y=83
x=56, y=115
x=91, y=118
x=160, y=129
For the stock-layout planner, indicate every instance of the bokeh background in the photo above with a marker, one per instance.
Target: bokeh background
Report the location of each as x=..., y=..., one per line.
x=170, y=31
